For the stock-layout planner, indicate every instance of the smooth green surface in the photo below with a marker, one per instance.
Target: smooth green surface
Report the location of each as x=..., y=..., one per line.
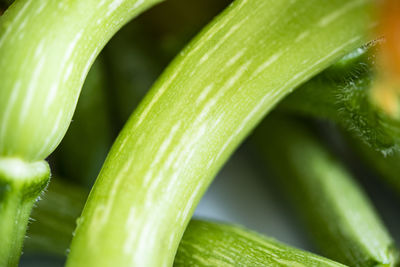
x=84, y=148
x=21, y=184
x=216, y=244
x=46, y=50
x=338, y=214
x=200, y=109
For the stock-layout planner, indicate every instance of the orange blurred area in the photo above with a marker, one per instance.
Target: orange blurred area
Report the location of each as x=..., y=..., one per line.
x=390, y=28
x=386, y=90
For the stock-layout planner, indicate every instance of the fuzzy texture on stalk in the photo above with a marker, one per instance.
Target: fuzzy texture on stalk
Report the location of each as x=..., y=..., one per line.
x=20, y=186
x=338, y=214
x=200, y=109
x=342, y=93
x=54, y=218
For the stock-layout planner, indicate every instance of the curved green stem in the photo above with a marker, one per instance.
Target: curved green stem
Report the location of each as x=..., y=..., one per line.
x=203, y=243
x=46, y=50
x=21, y=184
x=196, y=114
x=216, y=244
x=338, y=214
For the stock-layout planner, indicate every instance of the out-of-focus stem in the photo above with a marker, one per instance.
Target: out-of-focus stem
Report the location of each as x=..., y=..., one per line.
x=338, y=214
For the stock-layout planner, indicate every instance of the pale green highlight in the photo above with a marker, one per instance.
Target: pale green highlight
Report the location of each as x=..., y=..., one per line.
x=40, y=82
x=217, y=244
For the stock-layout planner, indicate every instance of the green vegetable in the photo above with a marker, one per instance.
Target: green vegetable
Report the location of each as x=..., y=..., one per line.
x=46, y=50
x=215, y=244
x=196, y=114
x=20, y=185
x=339, y=216
x=203, y=243
x=64, y=38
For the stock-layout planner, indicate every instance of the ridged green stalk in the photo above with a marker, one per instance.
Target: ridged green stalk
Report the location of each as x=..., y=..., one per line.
x=200, y=109
x=46, y=50
x=216, y=244
x=21, y=184
x=203, y=243
x=338, y=214
x=64, y=38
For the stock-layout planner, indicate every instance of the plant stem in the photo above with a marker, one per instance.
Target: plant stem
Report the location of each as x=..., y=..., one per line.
x=342, y=94
x=54, y=218
x=46, y=50
x=338, y=214
x=205, y=103
x=216, y=244
x=21, y=184
x=203, y=243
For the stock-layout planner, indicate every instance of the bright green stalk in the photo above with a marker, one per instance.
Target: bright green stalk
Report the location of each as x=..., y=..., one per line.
x=338, y=214
x=203, y=243
x=196, y=114
x=46, y=50
x=20, y=185
x=215, y=244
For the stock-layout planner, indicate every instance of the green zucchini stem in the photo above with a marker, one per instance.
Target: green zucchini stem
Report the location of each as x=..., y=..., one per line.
x=338, y=214
x=21, y=184
x=41, y=82
x=203, y=243
x=200, y=109
x=217, y=244
x=46, y=50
